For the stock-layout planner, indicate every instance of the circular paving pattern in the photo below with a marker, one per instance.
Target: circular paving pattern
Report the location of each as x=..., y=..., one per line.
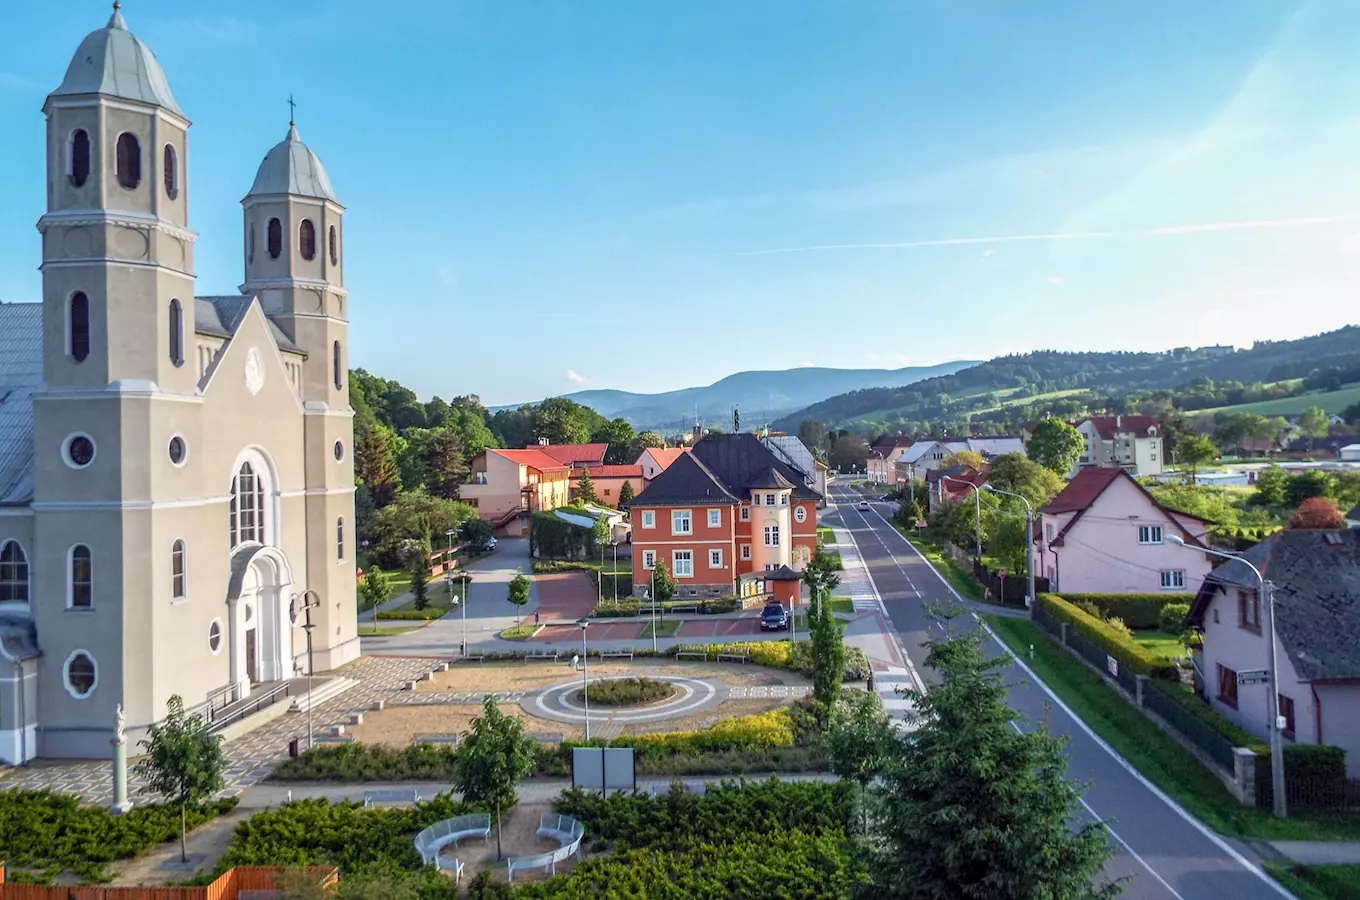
x=559, y=702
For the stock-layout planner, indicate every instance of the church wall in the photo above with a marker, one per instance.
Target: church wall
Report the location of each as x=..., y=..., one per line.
x=17, y=525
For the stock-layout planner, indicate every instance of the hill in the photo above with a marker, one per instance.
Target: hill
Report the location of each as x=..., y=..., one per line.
x=1005, y=391
x=1328, y=401
x=760, y=395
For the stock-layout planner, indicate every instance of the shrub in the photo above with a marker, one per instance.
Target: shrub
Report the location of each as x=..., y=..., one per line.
x=1172, y=619
x=1314, y=761
x=1137, y=658
x=1138, y=611
x=627, y=691
x=785, y=655
x=1117, y=624
x=368, y=762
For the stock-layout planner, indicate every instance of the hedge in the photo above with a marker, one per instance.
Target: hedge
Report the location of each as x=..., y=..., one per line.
x=1130, y=654
x=557, y=538
x=608, y=609
x=1137, y=610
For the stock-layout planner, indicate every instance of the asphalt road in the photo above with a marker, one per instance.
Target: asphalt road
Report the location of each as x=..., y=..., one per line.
x=1164, y=853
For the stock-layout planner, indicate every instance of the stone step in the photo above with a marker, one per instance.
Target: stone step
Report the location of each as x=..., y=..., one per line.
x=332, y=687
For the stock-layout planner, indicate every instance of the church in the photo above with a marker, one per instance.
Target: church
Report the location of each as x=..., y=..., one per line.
x=176, y=472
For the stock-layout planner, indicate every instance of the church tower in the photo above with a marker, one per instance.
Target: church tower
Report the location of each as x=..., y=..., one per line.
x=294, y=263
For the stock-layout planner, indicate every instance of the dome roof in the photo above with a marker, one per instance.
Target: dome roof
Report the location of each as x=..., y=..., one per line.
x=292, y=168
x=111, y=61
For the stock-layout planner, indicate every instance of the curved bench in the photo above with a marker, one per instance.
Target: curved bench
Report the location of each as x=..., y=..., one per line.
x=565, y=830
x=431, y=840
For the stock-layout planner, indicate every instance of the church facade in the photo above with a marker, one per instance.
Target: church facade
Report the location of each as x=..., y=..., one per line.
x=176, y=472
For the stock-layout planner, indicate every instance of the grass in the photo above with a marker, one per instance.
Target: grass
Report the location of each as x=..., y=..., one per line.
x=437, y=607
x=664, y=628
x=1319, y=882
x=842, y=605
x=380, y=631
x=1149, y=750
x=1330, y=401
x=1161, y=643
x=521, y=632
x=826, y=536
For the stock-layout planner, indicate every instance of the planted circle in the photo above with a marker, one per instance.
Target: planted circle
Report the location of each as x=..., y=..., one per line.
x=634, y=691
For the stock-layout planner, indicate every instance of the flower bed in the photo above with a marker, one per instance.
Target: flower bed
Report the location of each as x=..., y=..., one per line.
x=627, y=691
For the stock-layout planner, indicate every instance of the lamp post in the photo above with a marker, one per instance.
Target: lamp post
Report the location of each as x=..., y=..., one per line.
x=448, y=572
x=585, y=669
x=1029, y=541
x=464, y=605
x=977, y=500
x=1266, y=591
x=307, y=626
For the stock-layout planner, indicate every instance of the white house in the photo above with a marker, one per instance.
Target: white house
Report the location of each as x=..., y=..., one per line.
x=926, y=455
x=1133, y=442
x=1349, y=453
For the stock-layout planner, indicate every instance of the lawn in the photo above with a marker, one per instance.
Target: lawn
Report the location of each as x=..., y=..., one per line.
x=1330, y=401
x=1160, y=759
x=664, y=628
x=380, y=631
x=1319, y=882
x=826, y=536
x=842, y=605
x=438, y=605
x=521, y=632
x=1161, y=643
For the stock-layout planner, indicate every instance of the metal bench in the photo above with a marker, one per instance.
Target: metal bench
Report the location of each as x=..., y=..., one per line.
x=685, y=607
x=429, y=842
x=468, y=657
x=435, y=739
x=541, y=654
x=563, y=829
x=742, y=656
x=616, y=654
x=547, y=737
x=373, y=798
x=691, y=654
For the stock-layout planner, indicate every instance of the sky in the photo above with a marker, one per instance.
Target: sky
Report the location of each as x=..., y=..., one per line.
x=549, y=195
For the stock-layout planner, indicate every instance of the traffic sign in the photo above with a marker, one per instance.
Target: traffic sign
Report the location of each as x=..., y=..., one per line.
x=920, y=523
x=1253, y=676
x=1003, y=573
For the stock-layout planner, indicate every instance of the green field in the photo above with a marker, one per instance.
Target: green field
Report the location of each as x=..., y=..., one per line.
x=1330, y=401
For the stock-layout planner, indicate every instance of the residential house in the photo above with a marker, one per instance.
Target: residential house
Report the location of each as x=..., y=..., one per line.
x=1132, y=442
x=926, y=455
x=573, y=454
x=655, y=460
x=609, y=481
x=793, y=451
x=722, y=517
x=1349, y=453
x=1320, y=448
x=506, y=486
x=953, y=485
x=1105, y=534
x=883, y=456
x=1316, y=579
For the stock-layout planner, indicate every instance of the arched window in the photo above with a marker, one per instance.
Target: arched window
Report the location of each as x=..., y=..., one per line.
x=178, y=581
x=168, y=163
x=340, y=539
x=80, y=158
x=250, y=244
x=275, y=237
x=81, y=674
x=129, y=161
x=176, y=333
x=335, y=364
x=335, y=248
x=13, y=573
x=307, y=240
x=81, y=592
x=247, y=507
x=78, y=320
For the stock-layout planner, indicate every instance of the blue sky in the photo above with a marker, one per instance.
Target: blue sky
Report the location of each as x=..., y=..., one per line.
x=545, y=195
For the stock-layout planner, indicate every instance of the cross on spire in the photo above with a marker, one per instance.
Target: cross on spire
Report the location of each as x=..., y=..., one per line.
x=292, y=109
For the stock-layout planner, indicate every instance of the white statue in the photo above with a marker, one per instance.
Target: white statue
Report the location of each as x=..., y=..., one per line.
x=120, y=721
x=575, y=662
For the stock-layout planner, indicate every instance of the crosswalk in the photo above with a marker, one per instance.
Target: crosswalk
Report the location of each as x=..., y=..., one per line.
x=889, y=685
x=855, y=579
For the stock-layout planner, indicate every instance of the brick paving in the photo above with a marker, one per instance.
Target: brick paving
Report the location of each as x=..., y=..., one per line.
x=705, y=628
x=565, y=595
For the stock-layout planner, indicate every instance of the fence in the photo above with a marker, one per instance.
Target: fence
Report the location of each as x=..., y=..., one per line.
x=1307, y=791
x=227, y=886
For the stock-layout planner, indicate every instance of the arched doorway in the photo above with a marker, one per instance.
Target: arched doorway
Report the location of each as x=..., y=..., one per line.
x=259, y=627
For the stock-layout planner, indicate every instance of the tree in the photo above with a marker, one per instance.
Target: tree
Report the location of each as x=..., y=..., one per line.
x=1314, y=422
x=518, y=593
x=972, y=807
x=813, y=435
x=1317, y=512
x=619, y=435
x=857, y=743
x=1006, y=542
x=1022, y=475
x=475, y=531
x=585, y=488
x=1352, y=414
x=824, y=631
x=969, y=459
x=564, y=421
x=375, y=464
x=626, y=492
x=183, y=763
x=1236, y=428
x=644, y=441
x=1193, y=452
x=663, y=585
x=445, y=470
x=1307, y=485
x=1272, y=485
x=414, y=517
x=375, y=590
x=1055, y=445
x=848, y=454
x=492, y=758
x=419, y=567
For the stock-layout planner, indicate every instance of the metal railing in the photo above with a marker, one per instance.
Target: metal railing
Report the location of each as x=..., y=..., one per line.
x=253, y=704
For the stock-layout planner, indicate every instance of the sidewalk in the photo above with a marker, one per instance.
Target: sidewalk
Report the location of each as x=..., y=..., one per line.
x=1314, y=853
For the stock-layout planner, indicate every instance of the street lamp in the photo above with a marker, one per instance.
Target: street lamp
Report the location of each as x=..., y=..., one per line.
x=307, y=626
x=448, y=572
x=1266, y=591
x=1029, y=541
x=464, y=605
x=585, y=667
x=977, y=500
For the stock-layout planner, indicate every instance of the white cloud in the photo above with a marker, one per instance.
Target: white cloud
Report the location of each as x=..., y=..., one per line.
x=576, y=377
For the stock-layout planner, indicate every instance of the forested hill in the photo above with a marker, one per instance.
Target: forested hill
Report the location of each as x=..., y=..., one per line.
x=1017, y=382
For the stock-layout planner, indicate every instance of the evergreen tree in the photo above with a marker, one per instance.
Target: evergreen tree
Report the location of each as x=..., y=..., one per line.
x=445, y=470
x=585, y=488
x=626, y=493
x=970, y=807
x=375, y=464
x=420, y=576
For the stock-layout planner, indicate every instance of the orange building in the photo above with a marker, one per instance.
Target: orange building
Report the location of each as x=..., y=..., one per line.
x=507, y=486
x=609, y=481
x=724, y=517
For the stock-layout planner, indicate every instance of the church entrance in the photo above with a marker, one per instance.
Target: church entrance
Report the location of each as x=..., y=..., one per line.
x=260, y=627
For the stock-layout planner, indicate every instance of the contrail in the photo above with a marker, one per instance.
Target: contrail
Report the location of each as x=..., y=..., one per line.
x=1204, y=228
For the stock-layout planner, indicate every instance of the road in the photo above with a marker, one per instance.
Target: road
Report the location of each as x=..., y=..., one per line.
x=1164, y=853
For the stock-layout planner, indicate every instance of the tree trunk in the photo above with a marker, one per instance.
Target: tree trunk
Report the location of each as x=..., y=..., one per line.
x=183, y=835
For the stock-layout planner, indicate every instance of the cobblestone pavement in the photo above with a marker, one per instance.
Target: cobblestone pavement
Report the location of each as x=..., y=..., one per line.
x=251, y=756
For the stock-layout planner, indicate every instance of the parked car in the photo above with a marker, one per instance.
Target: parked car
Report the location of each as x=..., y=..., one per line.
x=774, y=617
x=488, y=545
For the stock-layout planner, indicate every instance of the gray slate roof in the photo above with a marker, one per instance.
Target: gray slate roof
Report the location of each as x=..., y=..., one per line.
x=685, y=481
x=220, y=317
x=291, y=167
x=1317, y=597
x=21, y=374
x=111, y=61
x=721, y=469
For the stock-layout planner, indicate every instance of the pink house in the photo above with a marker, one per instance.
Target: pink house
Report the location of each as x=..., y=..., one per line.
x=1105, y=534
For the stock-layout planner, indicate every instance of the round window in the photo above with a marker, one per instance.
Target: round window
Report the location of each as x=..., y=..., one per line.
x=79, y=451
x=339, y=451
x=800, y=514
x=178, y=450
x=80, y=674
x=215, y=636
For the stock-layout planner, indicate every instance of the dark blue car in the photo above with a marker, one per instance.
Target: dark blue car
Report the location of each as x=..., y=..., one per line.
x=774, y=617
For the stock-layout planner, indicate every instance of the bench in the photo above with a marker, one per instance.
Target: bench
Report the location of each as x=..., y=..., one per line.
x=743, y=656
x=373, y=798
x=685, y=607
x=541, y=654
x=547, y=737
x=691, y=654
x=563, y=829
x=616, y=654
x=466, y=657
x=435, y=739
x=429, y=842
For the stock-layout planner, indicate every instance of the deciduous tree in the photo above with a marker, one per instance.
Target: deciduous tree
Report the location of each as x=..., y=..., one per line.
x=1272, y=484
x=857, y=743
x=375, y=590
x=1193, y=452
x=518, y=593
x=663, y=584
x=1317, y=512
x=1304, y=486
x=619, y=435
x=848, y=454
x=1314, y=422
x=492, y=759
x=1055, y=445
x=646, y=440
x=475, y=531
x=183, y=762
x=1022, y=475
x=968, y=458
x=813, y=435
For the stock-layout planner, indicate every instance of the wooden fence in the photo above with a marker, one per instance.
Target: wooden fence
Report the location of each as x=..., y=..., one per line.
x=225, y=887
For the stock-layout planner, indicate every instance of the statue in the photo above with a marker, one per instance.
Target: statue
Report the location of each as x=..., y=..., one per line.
x=120, y=722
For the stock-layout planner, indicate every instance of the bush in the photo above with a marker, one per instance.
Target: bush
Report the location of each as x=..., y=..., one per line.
x=1314, y=761
x=785, y=655
x=1138, y=611
x=1137, y=658
x=1172, y=619
x=368, y=762
x=627, y=691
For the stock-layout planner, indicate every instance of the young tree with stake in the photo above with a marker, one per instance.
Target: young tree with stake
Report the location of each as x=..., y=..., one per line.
x=518, y=593
x=183, y=763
